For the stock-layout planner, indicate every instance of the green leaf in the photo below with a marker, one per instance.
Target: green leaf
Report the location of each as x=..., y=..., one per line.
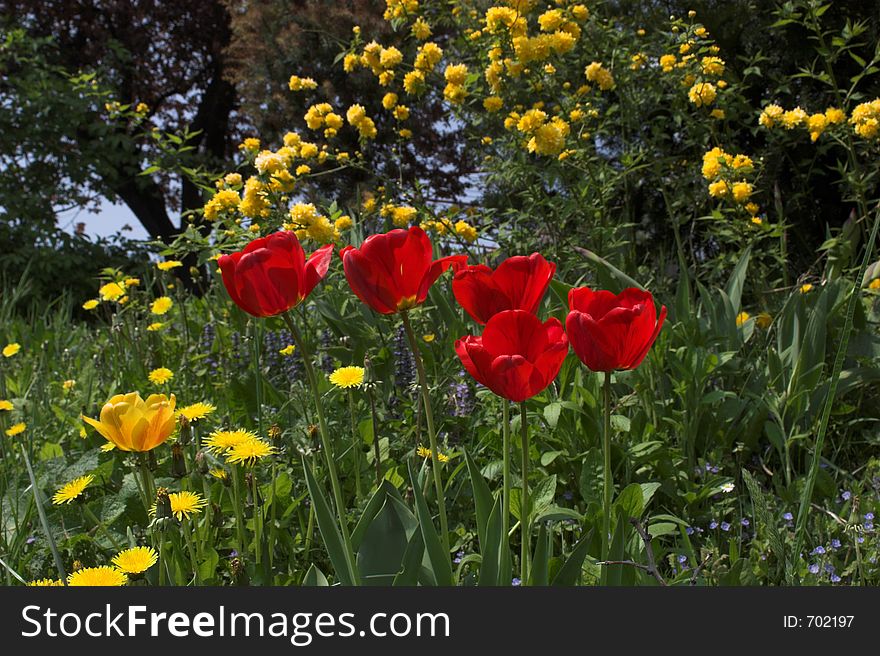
x=315, y=578
x=329, y=530
x=439, y=559
x=208, y=566
x=570, y=572
x=384, y=544
x=541, y=560
x=737, y=280
x=631, y=501
x=764, y=519
x=490, y=567
x=412, y=561
x=482, y=499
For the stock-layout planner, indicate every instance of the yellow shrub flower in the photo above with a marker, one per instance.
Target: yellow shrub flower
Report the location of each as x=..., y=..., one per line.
x=161, y=305
x=741, y=191
x=133, y=424
x=168, y=265
x=770, y=115
x=91, y=304
x=763, y=320
x=112, y=291
x=702, y=94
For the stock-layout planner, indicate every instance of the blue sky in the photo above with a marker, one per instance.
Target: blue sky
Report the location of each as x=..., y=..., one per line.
x=109, y=220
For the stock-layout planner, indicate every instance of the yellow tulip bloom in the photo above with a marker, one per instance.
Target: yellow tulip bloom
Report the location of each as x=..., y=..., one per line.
x=132, y=424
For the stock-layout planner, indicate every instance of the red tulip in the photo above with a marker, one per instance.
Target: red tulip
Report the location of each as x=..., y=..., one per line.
x=394, y=271
x=609, y=331
x=271, y=275
x=519, y=283
x=517, y=356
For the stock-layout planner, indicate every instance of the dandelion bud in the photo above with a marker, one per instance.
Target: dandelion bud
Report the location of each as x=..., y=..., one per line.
x=183, y=422
x=236, y=567
x=275, y=435
x=217, y=513
x=194, y=272
x=178, y=463
x=313, y=432
x=163, y=504
x=202, y=463
x=77, y=565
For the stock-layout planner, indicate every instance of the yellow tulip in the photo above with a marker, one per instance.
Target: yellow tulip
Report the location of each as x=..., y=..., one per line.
x=132, y=424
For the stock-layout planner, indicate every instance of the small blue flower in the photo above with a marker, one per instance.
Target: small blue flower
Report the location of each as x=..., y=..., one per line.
x=516, y=581
x=818, y=550
x=689, y=530
x=835, y=578
x=845, y=495
x=713, y=525
x=860, y=539
x=725, y=526
x=869, y=516
x=869, y=526
x=787, y=516
x=835, y=543
x=31, y=540
x=682, y=558
x=458, y=557
x=814, y=569
x=568, y=495
x=744, y=521
x=829, y=568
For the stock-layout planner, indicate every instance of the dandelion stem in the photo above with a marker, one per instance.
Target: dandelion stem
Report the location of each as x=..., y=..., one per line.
x=326, y=445
x=432, y=435
x=239, y=516
x=100, y=526
x=192, y=552
x=355, y=446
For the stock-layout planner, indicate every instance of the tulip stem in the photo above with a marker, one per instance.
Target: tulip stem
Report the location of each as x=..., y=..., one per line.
x=608, y=485
x=432, y=436
x=505, y=447
x=524, y=512
x=326, y=445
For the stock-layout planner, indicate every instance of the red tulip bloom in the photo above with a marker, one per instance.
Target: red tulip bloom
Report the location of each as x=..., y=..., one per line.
x=394, y=271
x=519, y=283
x=517, y=356
x=271, y=275
x=609, y=331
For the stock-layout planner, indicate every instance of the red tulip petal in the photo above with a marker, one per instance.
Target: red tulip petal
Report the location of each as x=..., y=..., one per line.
x=477, y=360
x=511, y=376
x=595, y=348
x=368, y=283
x=474, y=290
x=437, y=267
x=524, y=281
x=515, y=332
x=637, y=360
x=316, y=268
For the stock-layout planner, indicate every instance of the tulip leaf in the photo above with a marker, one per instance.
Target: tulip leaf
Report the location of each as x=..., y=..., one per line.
x=441, y=564
x=315, y=578
x=482, y=499
x=570, y=572
x=490, y=568
x=384, y=543
x=328, y=528
x=539, y=574
x=412, y=561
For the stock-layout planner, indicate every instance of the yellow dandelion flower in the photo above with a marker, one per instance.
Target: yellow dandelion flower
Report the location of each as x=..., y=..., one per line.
x=222, y=440
x=184, y=504
x=428, y=338
x=112, y=291
x=90, y=304
x=160, y=376
x=72, y=490
x=874, y=284
x=155, y=326
x=219, y=474
x=104, y=576
x=16, y=429
x=425, y=452
x=196, y=411
x=161, y=305
x=168, y=265
x=109, y=446
x=287, y=350
x=46, y=583
x=11, y=349
x=249, y=451
x=136, y=560
x=742, y=317
x=805, y=288
x=5, y=405
x=131, y=282
x=764, y=320
x=346, y=377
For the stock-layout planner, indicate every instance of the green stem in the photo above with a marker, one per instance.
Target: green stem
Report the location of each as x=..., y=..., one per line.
x=525, y=511
x=505, y=446
x=608, y=485
x=355, y=447
x=100, y=526
x=258, y=373
x=326, y=445
x=258, y=521
x=192, y=552
x=239, y=515
x=149, y=484
x=432, y=435
x=163, y=564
